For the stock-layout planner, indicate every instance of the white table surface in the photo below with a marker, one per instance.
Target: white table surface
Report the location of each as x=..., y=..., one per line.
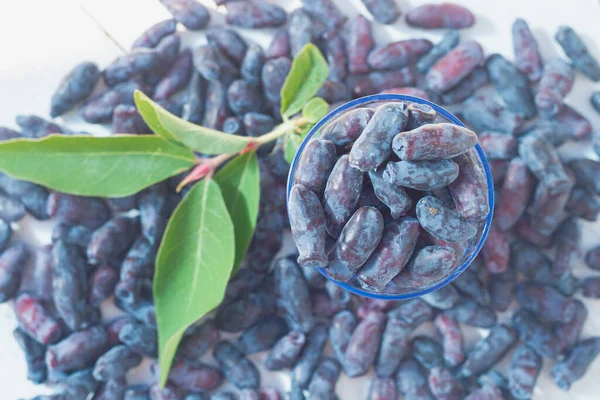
x=41, y=40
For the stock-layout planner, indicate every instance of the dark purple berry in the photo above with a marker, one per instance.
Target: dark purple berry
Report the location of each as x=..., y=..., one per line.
x=364, y=344
x=437, y=16
x=578, y=52
x=309, y=356
x=76, y=86
x=576, y=364
x=190, y=13
x=236, y=367
x=255, y=15
x=373, y=146
x=79, y=350
x=488, y=351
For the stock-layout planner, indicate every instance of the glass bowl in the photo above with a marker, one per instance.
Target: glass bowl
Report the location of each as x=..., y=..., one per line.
x=393, y=292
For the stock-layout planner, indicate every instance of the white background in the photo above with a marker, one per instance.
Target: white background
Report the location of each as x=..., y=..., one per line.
x=41, y=40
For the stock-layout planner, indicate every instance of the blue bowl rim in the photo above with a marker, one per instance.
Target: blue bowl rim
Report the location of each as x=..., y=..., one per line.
x=488, y=175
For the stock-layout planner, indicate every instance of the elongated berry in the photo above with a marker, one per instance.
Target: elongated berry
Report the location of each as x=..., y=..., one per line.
x=75, y=210
x=195, y=376
x=34, y=356
x=394, y=346
x=398, y=54
x=152, y=36
x=430, y=265
x=502, y=289
x=293, y=295
x=115, y=363
x=483, y=111
x=309, y=356
x=325, y=11
x=190, y=13
x=524, y=369
x=262, y=335
x=255, y=15
x=548, y=207
x=112, y=239
x=527, y=54
x=421, y=175
x=454, y=66
x=285, y=351
x=470, y=283
x=78, y=350
x=196, y=344
x=577, y=51
x=373, y=146
x=469, y=312
x=317, y=161
x=545, y=300
x=341, y=195
x=516, y=191
x=360, y=43
x=427, y=351
x=340, y=331
x=391, y=195
x=452, y=339
x=76, y=86
x=444, y=15
x=69, y=280
x=568, y=334
x=442, y=221
x=574, y=367
x=364, y=344
x=176, y=77
x=411, y=381
x=236, y=367
x=357, y=241
x=511, y=85
x=36, y=320
x=557, y=81
x=324, y=379
x=377, y=81
x=140, y=338
x=391, y=255
x=307, y=221
x=434, y=142
x=488, y=351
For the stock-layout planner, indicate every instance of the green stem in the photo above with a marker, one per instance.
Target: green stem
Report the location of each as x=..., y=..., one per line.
x=206, y=167
x=279, y=131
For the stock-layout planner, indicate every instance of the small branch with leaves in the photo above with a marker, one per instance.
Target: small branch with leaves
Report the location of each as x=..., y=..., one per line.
x=209, y=232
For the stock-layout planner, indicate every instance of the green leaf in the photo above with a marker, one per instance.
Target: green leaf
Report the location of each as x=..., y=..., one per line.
x=239, y=181
x=309, y=71
x=193, y=266
x=196, y=137
x=315, y=109
x=292, y=143
x=113, y=166
x=148, y=109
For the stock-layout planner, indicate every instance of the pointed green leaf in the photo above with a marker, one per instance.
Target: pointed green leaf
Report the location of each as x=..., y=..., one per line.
x=309, y=71
x=148, y=109
x=196, y=137
x=292, y=143
x=193, y=266
x=239, y=181
x=113, y=166
x=315, y=109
